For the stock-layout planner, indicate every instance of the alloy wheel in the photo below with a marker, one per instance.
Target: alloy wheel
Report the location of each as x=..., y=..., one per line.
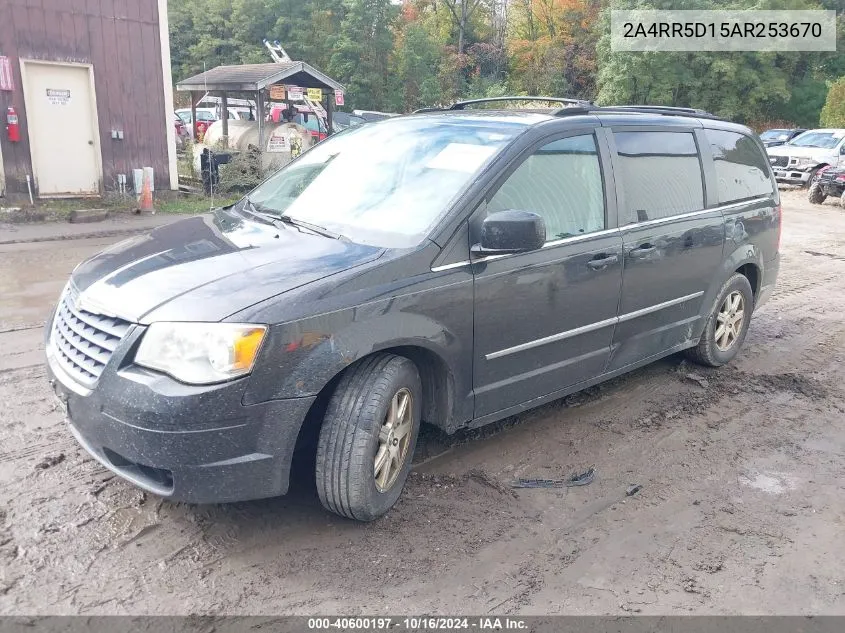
x=394, y=438
x=729, y=321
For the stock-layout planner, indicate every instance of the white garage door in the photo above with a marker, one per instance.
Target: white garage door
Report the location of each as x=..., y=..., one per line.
x=62, y=119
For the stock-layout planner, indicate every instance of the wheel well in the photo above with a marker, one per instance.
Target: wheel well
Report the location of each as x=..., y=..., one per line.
x=752, y=273
x=437, y=387
x=438, y=390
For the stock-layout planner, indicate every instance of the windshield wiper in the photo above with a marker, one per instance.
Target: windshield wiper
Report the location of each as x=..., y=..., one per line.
x=315, y=228
x=289, y=221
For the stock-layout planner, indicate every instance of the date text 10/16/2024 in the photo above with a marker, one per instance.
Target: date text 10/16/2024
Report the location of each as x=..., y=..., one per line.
x=422, y=623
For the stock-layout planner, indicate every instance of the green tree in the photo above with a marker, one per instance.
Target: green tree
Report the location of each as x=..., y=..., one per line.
x=737, y=85
x=417, y=62
x=833, y=112
x=362, y=50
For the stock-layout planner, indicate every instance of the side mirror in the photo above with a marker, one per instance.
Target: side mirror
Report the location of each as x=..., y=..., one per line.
x=511, y=231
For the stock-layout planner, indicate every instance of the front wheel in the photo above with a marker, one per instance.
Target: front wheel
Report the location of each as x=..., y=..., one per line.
x=816, y=194
x=368, y=437
x=727, y=324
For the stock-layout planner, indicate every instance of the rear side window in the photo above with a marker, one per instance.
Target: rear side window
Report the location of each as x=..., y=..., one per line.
x=661, y=174
x=741, y=168
x=561, y=182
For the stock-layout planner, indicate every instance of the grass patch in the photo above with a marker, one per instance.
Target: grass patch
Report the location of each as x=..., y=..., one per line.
x=193, y=204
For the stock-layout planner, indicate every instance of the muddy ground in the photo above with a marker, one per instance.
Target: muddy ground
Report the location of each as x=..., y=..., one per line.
x=742, y=506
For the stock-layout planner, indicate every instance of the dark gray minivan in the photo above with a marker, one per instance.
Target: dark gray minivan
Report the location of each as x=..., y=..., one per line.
x=453, y=267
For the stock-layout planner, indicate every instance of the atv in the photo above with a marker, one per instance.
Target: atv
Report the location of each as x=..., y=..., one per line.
x=829, y=181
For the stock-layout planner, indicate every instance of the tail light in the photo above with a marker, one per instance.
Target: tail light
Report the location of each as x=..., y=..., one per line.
x=779, y=210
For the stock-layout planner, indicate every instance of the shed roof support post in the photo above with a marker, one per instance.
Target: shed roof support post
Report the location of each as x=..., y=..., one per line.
x=259, y=102
x=329, y=109
x=195, y=96
x=224, y=115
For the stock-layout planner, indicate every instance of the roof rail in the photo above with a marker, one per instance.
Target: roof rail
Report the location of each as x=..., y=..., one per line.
x=460, y=105
x=640, y=109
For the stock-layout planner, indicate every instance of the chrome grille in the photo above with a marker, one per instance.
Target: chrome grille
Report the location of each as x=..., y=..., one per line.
x=83, y=341
x=780, y=161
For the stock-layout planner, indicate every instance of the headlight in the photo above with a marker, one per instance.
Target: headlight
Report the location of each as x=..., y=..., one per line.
x=201, y=353
x=803, y=162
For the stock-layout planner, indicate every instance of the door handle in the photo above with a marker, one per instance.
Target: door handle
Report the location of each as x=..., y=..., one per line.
x=600, y=262
x=642, y=250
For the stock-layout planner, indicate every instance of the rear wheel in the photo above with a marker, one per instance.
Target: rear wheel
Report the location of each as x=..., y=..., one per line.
x=727, y=325
x=368, y=437
x=816, y=194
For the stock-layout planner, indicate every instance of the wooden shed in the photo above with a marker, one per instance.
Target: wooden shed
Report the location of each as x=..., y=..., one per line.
x=90, y=84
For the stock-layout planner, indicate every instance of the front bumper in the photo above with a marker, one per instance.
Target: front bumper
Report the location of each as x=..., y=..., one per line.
x=187, y=443
x=791, y=176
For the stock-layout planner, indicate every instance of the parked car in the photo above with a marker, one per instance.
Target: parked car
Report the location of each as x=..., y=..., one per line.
x=798, y=161
x=208, y=115
x=373, y=115
x=829, y=181
x=450, y=267
x=205, y=117
x=772, y=138
x=182, y=135
x=343, y=120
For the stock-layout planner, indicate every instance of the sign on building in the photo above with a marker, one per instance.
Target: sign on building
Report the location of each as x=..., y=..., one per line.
x=277, y=93
x=58, y=97
x=295, y=93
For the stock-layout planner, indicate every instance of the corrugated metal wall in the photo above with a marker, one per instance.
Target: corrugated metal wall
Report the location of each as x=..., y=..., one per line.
x=120, y=38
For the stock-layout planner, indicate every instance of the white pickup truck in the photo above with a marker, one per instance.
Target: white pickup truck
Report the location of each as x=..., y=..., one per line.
x=797, y=161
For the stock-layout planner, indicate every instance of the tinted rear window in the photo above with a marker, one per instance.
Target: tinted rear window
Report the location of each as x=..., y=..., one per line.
x=661, y=174
x=741, y=168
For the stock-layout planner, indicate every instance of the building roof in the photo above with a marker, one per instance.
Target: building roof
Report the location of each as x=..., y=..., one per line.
x=251, y=77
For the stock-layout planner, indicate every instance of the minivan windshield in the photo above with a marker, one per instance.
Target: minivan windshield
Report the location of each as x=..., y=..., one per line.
x=385, y=183
x=824, y=140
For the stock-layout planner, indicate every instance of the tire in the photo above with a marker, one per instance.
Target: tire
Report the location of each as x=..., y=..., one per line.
x=812, y=179
x=816, y=194
x=842, y=200
x=353, y=436
x=713, y=352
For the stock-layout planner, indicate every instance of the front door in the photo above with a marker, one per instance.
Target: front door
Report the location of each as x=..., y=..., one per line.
x=61, y=119
x=544, y=319
x=673, y=246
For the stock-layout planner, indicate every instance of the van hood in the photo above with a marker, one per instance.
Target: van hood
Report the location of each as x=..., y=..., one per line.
x=800, y=152
x=208, y=267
